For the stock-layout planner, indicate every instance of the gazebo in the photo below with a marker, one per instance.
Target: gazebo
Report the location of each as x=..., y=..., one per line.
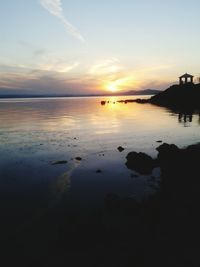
x=186, y=78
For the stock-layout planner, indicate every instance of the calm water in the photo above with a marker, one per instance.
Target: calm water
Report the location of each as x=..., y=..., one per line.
x=35, y=132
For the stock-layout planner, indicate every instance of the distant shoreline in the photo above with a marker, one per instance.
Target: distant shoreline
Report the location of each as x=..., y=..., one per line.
x=84, y=96
x=130, y=93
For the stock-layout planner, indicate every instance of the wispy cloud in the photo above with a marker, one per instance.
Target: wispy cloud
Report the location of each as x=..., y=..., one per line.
x=106, y=67
x=54, y=67
x=58, y=67
x=54, y=7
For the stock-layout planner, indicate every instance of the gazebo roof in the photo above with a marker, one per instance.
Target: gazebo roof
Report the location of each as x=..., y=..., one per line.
x=186, y=75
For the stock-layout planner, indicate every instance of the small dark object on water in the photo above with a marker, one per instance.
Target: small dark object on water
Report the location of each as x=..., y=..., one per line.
x=78, y=158
x=159, y=141
x=103, y=102
x=59, y=162
x=98, y=171
x=120, y=148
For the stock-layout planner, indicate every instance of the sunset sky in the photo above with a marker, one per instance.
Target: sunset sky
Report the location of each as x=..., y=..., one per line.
x=96, y=46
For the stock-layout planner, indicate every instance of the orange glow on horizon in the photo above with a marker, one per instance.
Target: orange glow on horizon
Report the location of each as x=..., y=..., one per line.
x=119, y=84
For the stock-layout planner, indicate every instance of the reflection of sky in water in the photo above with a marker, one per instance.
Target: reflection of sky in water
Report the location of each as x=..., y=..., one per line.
x=35, y=132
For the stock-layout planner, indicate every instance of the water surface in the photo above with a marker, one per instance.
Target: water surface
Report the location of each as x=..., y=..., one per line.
x=36, y=132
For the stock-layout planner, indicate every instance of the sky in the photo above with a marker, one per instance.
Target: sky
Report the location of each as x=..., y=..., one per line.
x=96, y=46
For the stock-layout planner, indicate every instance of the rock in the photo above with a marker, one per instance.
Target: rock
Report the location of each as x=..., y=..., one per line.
x=58, y=162
x=103, y=103
x=179, y=97
x=167, y=152
x=159, y=141
x=120, y=148
x=140, y=162
x=166, y=148
x=78, y=158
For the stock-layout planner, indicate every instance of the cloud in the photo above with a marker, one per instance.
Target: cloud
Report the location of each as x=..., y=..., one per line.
x=106, y=67
x=54, y=66
x=54, y=7
x=58, y=66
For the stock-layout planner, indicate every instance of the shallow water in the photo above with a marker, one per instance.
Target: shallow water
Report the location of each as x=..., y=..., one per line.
x=36, y=132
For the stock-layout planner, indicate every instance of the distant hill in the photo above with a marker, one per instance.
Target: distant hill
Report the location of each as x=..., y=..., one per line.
x=184, y=96
x=143, y=92
x=132, y=92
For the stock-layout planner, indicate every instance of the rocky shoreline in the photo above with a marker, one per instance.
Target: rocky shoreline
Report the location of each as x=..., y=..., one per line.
x=161, y=230
x=183, y=97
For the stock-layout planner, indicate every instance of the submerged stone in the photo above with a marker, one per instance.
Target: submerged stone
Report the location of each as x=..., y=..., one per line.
x=120, y=148
x=78, y=158
x=58, y=162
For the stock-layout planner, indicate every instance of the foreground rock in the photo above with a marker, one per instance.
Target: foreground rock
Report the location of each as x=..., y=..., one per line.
x=140, y=162
x=169, y=155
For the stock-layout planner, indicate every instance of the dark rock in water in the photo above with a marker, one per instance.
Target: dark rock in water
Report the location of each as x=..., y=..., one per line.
x=103, y=103
x=98, y=171
x=58, y=162
x=142, y=101
x=159, y=141
x=166, y=148
x=140, y=162
x=138, y=100
x=78, y=158
x=120, y=148
x=167, y=152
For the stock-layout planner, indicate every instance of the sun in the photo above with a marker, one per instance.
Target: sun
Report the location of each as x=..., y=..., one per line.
x=117, y=85
x=112, y=87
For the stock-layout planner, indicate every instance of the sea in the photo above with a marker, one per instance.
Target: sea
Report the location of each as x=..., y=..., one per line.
x=63, y=152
